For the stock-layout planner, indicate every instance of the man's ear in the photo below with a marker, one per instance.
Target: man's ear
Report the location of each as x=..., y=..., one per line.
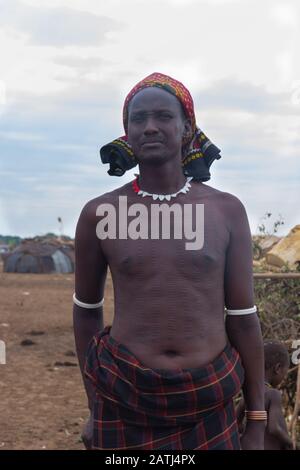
x=187, y=126
x=187, y=130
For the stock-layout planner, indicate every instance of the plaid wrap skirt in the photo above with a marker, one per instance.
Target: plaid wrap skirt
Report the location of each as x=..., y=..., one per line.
x=140, y=408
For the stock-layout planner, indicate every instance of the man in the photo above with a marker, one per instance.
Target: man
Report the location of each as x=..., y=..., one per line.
x=164, y=375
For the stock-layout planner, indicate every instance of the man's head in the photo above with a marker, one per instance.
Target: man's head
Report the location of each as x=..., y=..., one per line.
x=277, y=362
x=157, y=125
x=171, y=86
x=191, y=146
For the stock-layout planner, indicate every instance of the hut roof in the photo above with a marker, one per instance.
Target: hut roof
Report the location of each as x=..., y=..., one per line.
x=42, y=255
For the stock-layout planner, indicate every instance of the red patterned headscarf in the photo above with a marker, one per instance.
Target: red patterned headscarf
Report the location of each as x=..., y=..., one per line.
x=200, y=153
x=169, y=84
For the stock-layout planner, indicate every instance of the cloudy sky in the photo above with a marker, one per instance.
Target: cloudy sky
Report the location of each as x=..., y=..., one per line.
x=66, y=66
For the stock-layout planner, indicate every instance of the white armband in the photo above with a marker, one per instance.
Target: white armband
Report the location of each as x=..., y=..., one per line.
x=244, y=311
x=84, y=305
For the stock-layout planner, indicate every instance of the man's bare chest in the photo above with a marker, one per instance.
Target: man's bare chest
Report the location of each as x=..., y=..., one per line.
x=201, y=249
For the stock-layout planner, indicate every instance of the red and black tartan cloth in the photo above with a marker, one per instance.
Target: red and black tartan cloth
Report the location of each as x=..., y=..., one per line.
x=141, y=408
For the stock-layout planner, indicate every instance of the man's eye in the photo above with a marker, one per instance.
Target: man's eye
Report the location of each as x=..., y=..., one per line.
x=165, y=116
x=137, y=119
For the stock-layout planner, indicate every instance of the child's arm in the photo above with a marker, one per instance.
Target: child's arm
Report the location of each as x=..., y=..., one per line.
x=276, y=423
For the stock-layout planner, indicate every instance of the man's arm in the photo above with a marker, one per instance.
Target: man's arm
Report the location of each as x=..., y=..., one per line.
x=276, y=422
x=244, y=331
x=90, y=275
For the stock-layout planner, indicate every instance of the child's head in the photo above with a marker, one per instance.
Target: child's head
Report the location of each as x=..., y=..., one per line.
x=277, y=362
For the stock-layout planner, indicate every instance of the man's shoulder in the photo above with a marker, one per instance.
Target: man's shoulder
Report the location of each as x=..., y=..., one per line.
x=110, y=197
x=228, y=201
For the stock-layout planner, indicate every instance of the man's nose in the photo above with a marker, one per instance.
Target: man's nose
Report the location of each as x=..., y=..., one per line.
x=150, y=126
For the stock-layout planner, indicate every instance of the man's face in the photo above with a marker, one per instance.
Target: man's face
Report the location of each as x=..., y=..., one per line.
x=156, y=125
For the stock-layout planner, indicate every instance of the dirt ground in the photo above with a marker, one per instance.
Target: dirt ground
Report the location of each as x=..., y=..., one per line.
x=42, y=400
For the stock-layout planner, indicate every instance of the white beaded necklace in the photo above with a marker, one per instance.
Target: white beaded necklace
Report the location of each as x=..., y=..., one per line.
x=161, y=197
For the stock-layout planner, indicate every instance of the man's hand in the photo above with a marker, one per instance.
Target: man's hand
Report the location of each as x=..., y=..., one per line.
x=87, y=433
x=254, y=436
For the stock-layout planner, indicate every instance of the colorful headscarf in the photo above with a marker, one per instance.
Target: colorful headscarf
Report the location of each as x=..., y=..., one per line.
x=199, y=152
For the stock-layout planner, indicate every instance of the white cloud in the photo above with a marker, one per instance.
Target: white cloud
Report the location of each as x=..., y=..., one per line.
x=57, y=26
x=285, y=14
x=199, y=44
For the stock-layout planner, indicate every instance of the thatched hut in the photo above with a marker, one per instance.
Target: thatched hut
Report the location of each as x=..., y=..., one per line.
x=40, y=256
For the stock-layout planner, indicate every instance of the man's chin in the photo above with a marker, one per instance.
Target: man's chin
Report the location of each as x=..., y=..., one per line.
x=150, y=157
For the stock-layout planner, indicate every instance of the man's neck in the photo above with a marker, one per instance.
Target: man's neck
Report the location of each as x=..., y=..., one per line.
x=163, y=179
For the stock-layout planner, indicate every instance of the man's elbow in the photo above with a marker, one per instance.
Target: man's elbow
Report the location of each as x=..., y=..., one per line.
x=243, y=323
x=83, y=318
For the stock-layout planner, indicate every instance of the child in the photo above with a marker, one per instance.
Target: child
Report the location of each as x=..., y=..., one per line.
x=276, y=367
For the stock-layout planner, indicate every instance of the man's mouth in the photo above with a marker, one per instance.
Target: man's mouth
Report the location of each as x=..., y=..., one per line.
x=151, y=144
